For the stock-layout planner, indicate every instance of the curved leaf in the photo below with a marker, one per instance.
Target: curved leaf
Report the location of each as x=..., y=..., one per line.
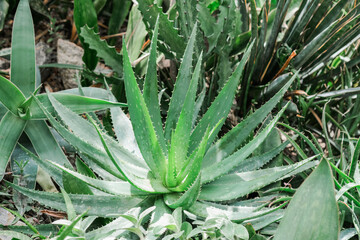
x=100, y=205
x=313, y=212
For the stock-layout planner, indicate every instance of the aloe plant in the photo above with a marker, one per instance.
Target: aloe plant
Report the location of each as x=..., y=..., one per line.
x=181, y=164
x=21, y=113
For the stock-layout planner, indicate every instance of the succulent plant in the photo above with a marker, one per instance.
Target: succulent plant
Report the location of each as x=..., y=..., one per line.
x=183, y=164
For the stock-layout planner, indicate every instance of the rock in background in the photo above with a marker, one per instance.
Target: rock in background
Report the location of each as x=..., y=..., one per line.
x=69, y=53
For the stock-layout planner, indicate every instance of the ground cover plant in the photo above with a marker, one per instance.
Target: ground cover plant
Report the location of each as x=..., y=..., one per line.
x=203, y=158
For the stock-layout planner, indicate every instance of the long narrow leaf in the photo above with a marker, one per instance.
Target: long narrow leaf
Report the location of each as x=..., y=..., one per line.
x=99, y=205
x=226, y=145
x=181, y=87
x=220, y=168
x=23, y=50
x=181, y=137
x=78, y=104
x=143, y=128
x=11, y=128
x=220, y=108
x=236, y=185
x=150, y=92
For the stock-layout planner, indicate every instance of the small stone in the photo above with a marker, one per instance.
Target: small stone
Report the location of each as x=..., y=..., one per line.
x=43, y=55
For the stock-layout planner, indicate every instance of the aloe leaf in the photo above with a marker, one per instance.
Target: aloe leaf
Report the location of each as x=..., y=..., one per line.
x=226, y=145
x=69, y=206
x=50, y=169
x=220, y=108
x=100, y=205
x=11, y=128
x=87, y=132
x=167, y=32
x=68, y=229
x=181, y=87
x=28, y=171
x=150, y=91
x=78, y=104
x=186, y=199
x=110, y=230
x=256, y=162
x=91, y=92
x=224, y=166
x=181, y=136
x=10, y=95
x=82, y=168
x=190, y=171
x=147, y=184
x=143, y=128
x=85, y=14
x=44, y=143
x=23, y=50
x=123, y=130
x=236, y=185
x=100, y=160
x=121, y=188
x=234, y=213
x=102, y=49
x=44, y=229
x=318, y=218
x=14, y=235
x=74, y=185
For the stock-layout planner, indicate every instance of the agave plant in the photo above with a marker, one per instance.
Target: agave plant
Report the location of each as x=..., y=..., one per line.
x=183, y=164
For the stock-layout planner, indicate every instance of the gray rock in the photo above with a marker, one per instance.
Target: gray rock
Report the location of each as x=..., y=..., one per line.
x=43, y=56
x=69, y=53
